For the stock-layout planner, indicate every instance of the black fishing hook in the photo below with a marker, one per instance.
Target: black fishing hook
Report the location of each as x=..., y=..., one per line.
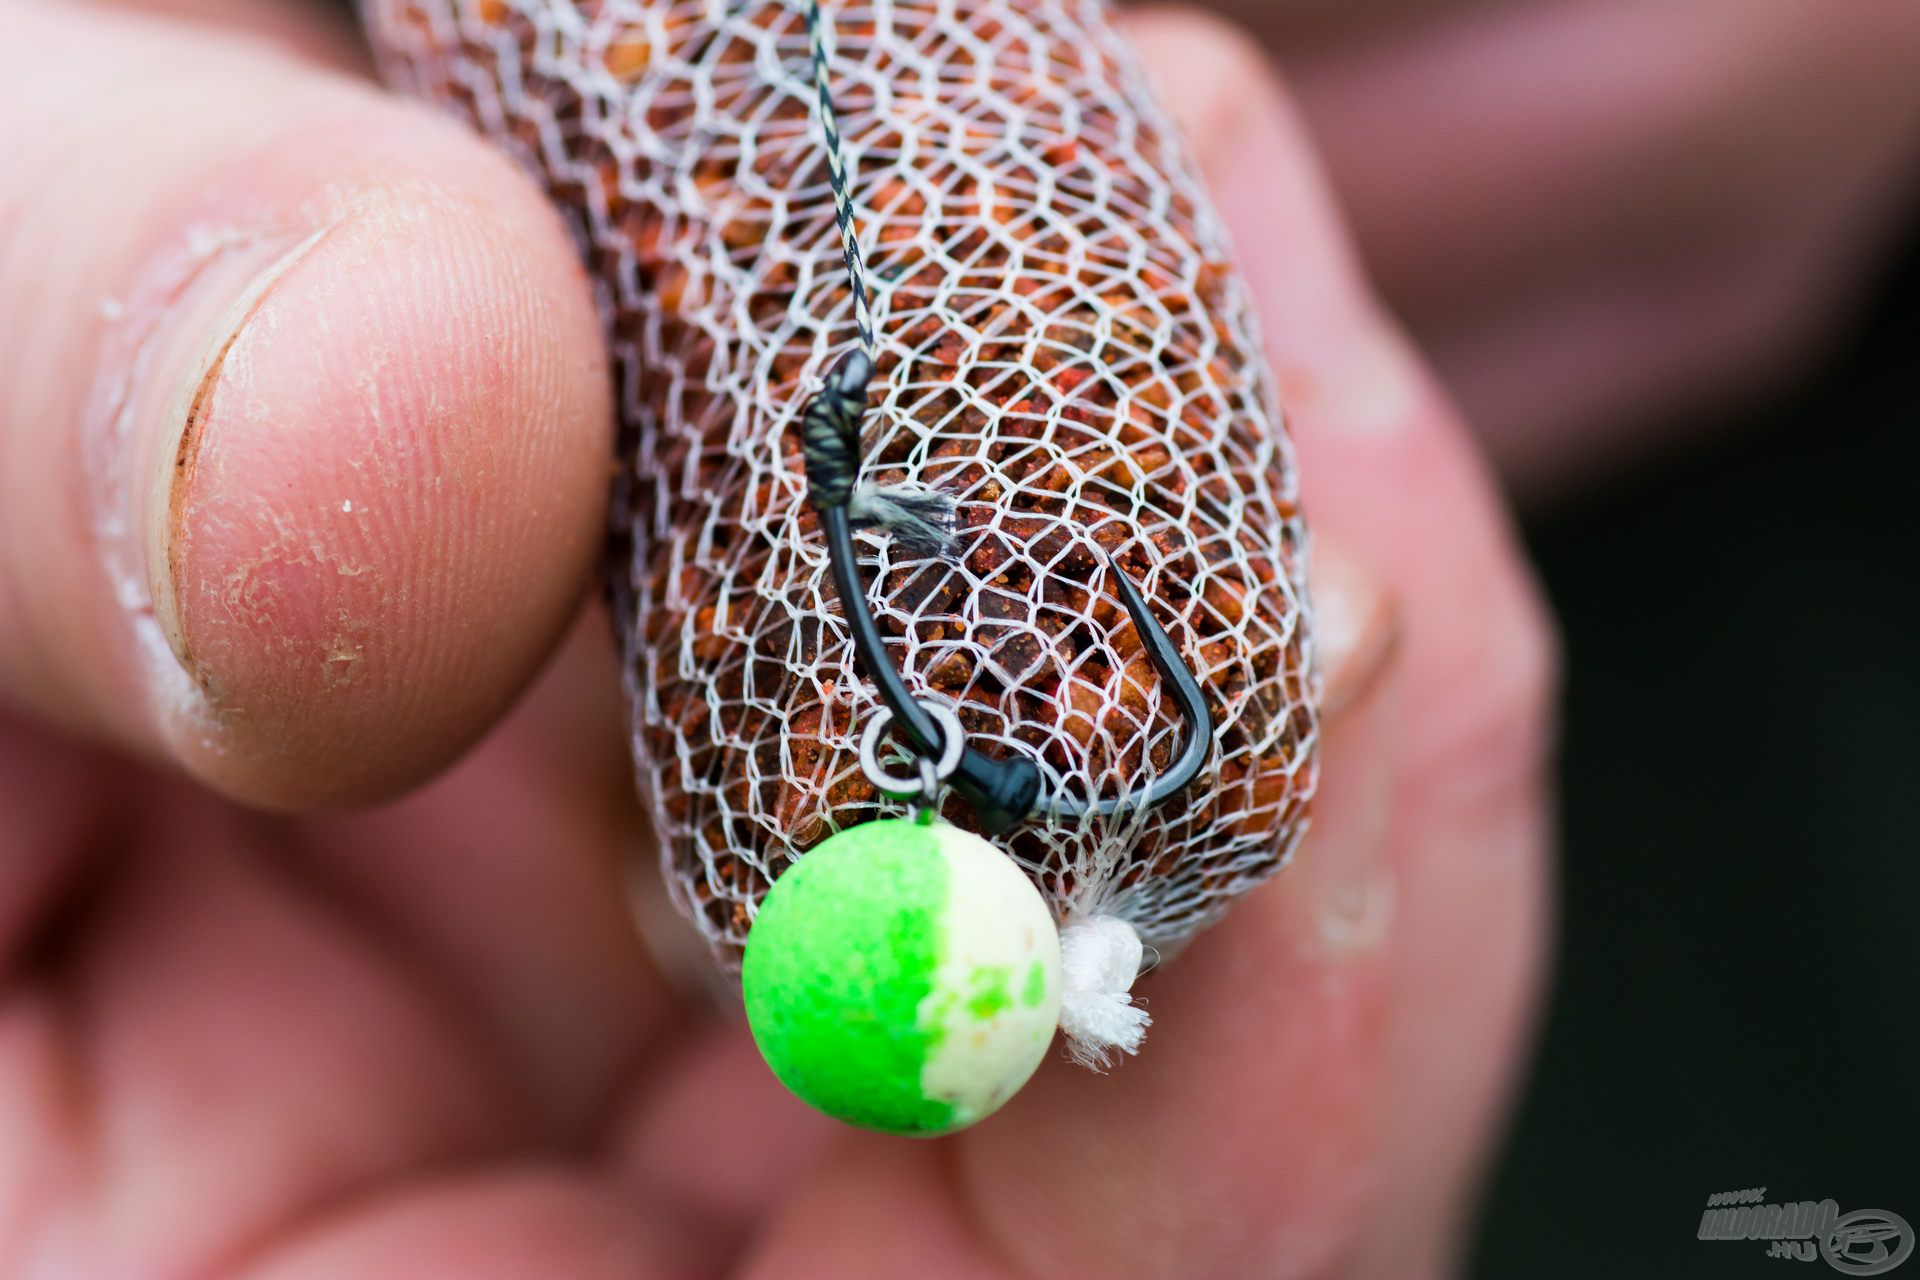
x=1003, y=792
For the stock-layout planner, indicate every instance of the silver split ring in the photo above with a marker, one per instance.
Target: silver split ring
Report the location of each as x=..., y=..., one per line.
x=924, y=783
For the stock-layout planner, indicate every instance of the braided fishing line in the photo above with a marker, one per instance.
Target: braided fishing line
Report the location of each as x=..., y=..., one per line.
x=819, y=49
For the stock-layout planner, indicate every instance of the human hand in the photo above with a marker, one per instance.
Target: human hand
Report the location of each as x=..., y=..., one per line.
x=303, y=429
x=1599, y=217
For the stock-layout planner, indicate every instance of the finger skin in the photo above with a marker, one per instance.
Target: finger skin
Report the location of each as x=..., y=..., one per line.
x=516, y=1224
x=46, y=827
x=208, y=1052
x=303, y=412
x=1317, y=20
x=229, y=1041
x=1323, y=1074
x=312, y=28
x=503, y=881
x=1603, y=216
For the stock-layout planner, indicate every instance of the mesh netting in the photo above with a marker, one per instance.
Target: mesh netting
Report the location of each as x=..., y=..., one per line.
x=1063, y=347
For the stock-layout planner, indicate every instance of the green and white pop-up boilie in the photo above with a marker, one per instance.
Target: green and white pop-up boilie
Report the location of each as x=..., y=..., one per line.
x=903, y=976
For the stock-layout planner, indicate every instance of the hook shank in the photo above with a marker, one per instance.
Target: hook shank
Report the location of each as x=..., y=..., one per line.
x=1002, y=792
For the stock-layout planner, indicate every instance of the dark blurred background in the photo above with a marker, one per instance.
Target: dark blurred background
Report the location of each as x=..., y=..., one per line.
x=1735, y=998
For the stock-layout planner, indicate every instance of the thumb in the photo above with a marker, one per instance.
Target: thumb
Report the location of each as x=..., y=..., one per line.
x=303, y=412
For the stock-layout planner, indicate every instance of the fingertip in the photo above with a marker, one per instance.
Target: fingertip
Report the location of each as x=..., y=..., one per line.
x=304, y=413
x=383, y=489
x=1205, y=68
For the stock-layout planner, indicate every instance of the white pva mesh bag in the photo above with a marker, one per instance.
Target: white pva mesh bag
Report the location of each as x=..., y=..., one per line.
x=1063, y=346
